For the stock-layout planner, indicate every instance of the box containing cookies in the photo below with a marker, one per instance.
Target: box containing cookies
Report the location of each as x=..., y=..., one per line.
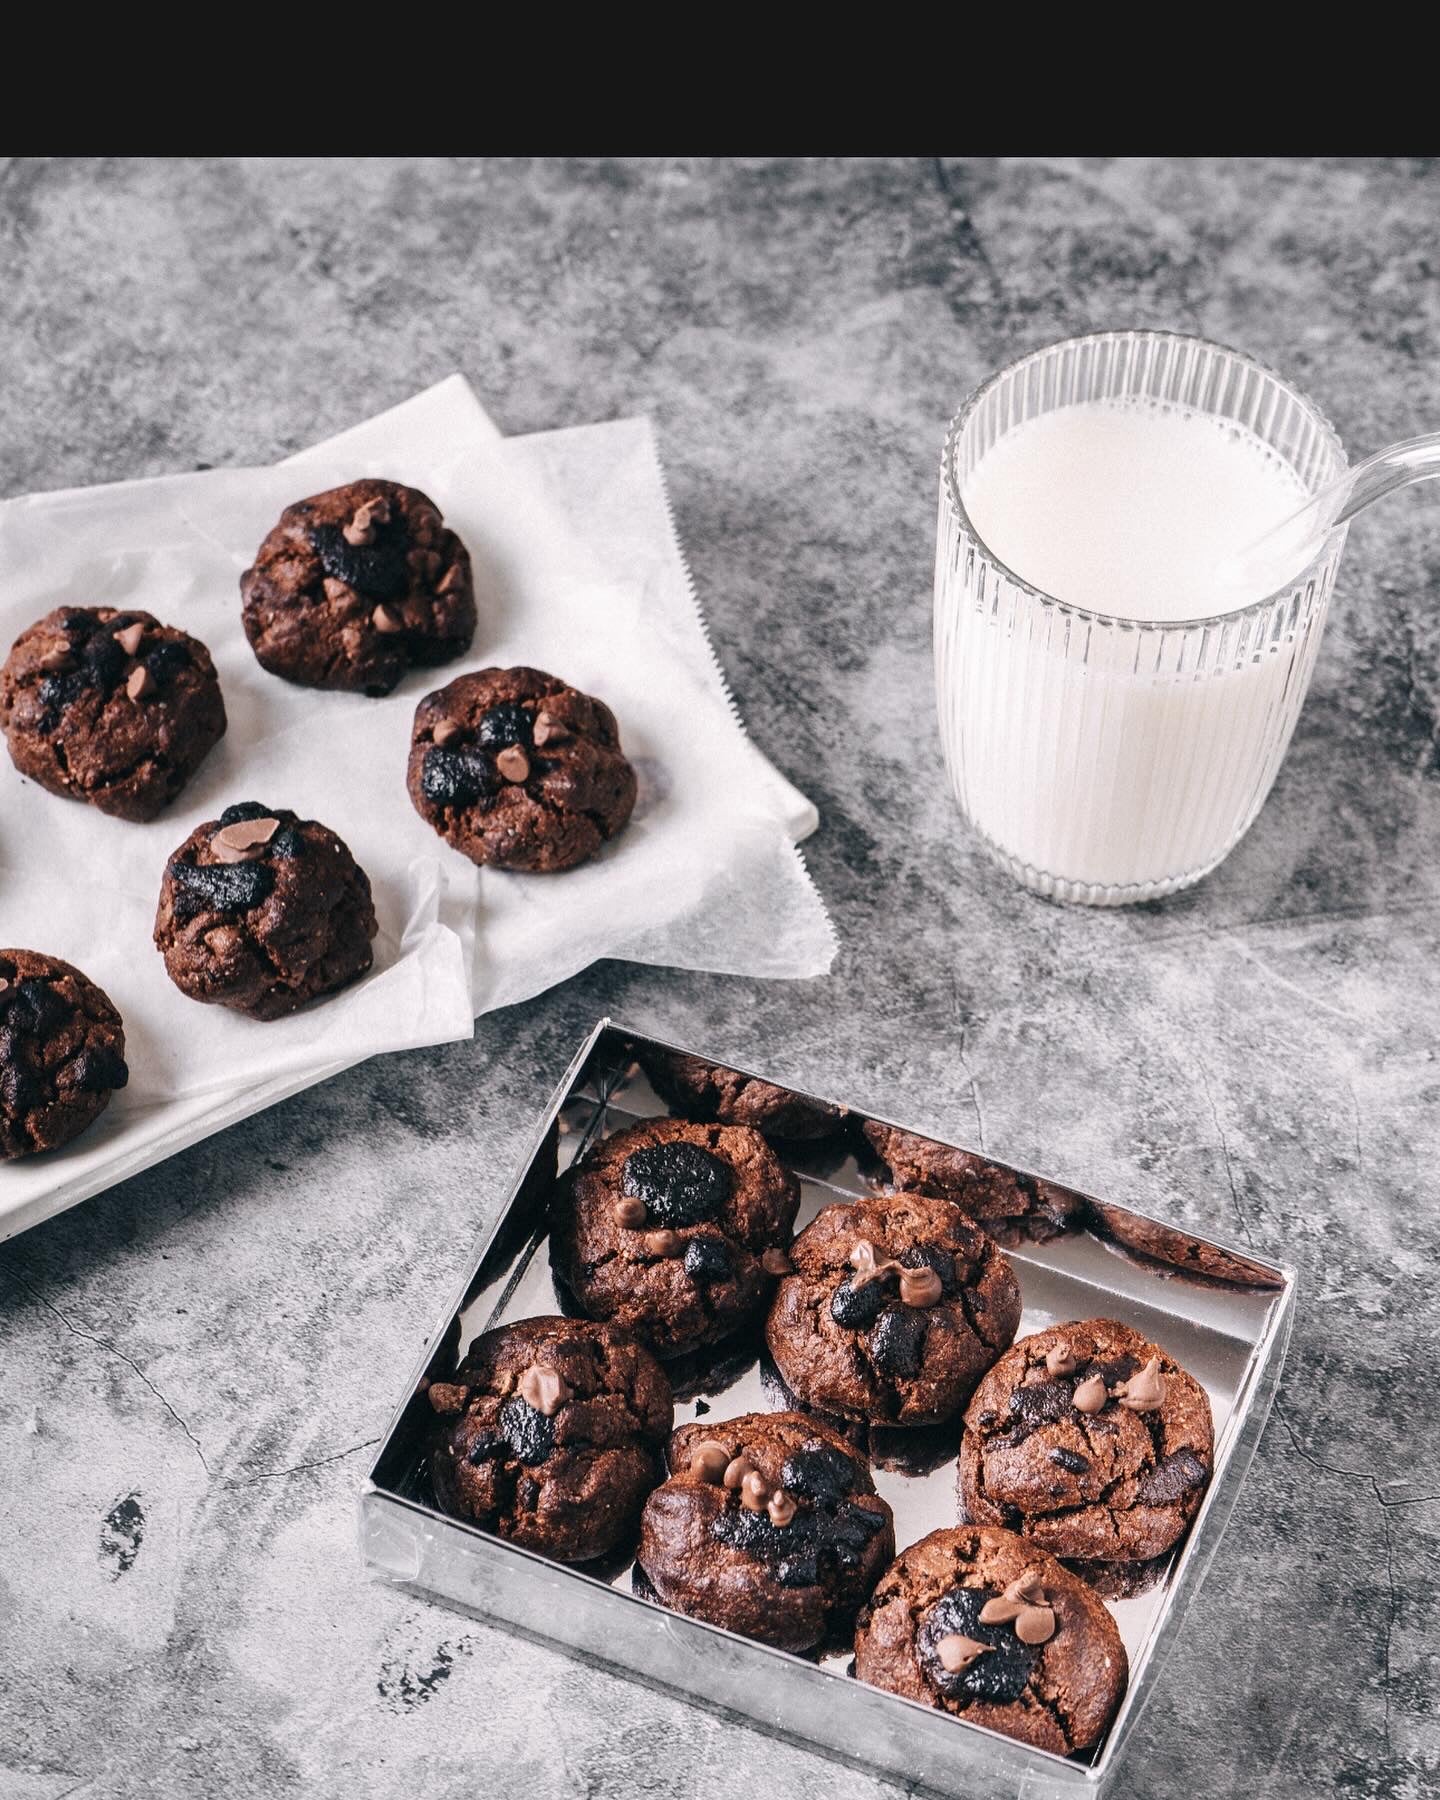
x=867, y=1439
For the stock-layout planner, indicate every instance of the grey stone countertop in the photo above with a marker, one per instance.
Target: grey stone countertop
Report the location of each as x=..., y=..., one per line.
x=194, y=1365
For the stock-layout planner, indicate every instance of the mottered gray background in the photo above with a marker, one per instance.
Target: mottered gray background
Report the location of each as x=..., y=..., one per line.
x=194, y=1366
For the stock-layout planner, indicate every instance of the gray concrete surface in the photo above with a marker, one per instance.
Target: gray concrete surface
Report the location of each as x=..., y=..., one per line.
x=193, y=1365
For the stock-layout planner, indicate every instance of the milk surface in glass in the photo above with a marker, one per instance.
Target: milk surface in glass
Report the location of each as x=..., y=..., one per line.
x=1090, y=753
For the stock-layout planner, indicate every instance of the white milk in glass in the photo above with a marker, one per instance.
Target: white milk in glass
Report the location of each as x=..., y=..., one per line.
x=1117, y=756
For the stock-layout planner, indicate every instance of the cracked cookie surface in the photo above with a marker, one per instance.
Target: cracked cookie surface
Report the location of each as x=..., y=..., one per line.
x=922, y=1635
x=110, y=707
x=709, y=1091
x=664, y=1228
x=263, y=912
x=518, y=770
x=355, y=586
x=851, y=1343
x=550, y=1435
x=1102, y=1480
x=787, y=1571
x=1008, y=1204
x=62, y=1052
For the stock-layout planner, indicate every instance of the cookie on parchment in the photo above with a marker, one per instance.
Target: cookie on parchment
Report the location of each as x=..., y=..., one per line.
x=518, y=770
x=110, y=707
x=263, y=912
x=62, y=1052
x=355, y=586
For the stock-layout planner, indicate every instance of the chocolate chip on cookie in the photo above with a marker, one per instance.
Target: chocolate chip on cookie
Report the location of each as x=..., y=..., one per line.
x=1008, y=1204
x=897, y=1306
x=769, y=1525
x=263, y=912
x=515, y=769
x=976, y=1622
x=550, y=1435
x=62, y=1052
x=665, y=1227
x=704, y=1090
x=355, y=586
x=110, y=707
x=1090, y=1441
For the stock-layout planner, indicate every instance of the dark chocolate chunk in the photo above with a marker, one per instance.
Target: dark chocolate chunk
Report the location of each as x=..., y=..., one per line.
x=1171, y=1479
x=56, y=692
x=1039, y=1404
x=457, y=777
x=820, y=1473
x=487, y=1447
x=839, y=1533
x=287, y=844
x=245, y=810
x=378, y=571
x=858, y=1307
x=999, y=1677
x=220, y=887
x=97, y=1069
x=1071, y=1461
x=929, y=1256
x=105, y=661
x=530, y=1434
x=37, y=1008
x=505, y=724
x=753, y=1531
x=165, y=660
x=847, y=1531
x=799, y=1571
x=680, y=1183
x=707, y=1259
x=20, y=1088
x=897, y=1340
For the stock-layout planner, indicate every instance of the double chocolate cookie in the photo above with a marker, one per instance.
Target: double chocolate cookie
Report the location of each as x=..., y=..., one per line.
x=263, y=912
x=112, y=708
x=675, y=1231
x=769, y=1525
x=62, y=1052
x=517, y=770
x=355, y=586
x=896, y=1307
x=704, y=1090
x=978, y=1623
x=1090, y=1441
x=1010, y=1205
x=551, y=1435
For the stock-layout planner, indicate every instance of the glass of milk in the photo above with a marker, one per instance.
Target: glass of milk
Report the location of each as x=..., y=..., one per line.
x=1113, y=709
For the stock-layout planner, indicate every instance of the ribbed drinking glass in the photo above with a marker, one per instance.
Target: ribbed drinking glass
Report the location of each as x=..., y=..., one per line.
x=1104, y=759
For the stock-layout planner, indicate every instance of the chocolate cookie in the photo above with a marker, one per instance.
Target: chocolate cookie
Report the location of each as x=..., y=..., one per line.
x=551, y=1436
x=1007, y=1203
x=978, y=1623
x=704, y=1090
x=897, y=1306
x=112, y=708
x=62, y=1052
x=515, y=769
x=1154, y=1242
x=675, y=1231
x=769, y=1525
x=355, y=586
x=1090, y=1441
x=263, y=912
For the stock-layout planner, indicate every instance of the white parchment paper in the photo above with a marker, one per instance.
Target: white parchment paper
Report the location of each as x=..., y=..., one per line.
x=578, y=572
